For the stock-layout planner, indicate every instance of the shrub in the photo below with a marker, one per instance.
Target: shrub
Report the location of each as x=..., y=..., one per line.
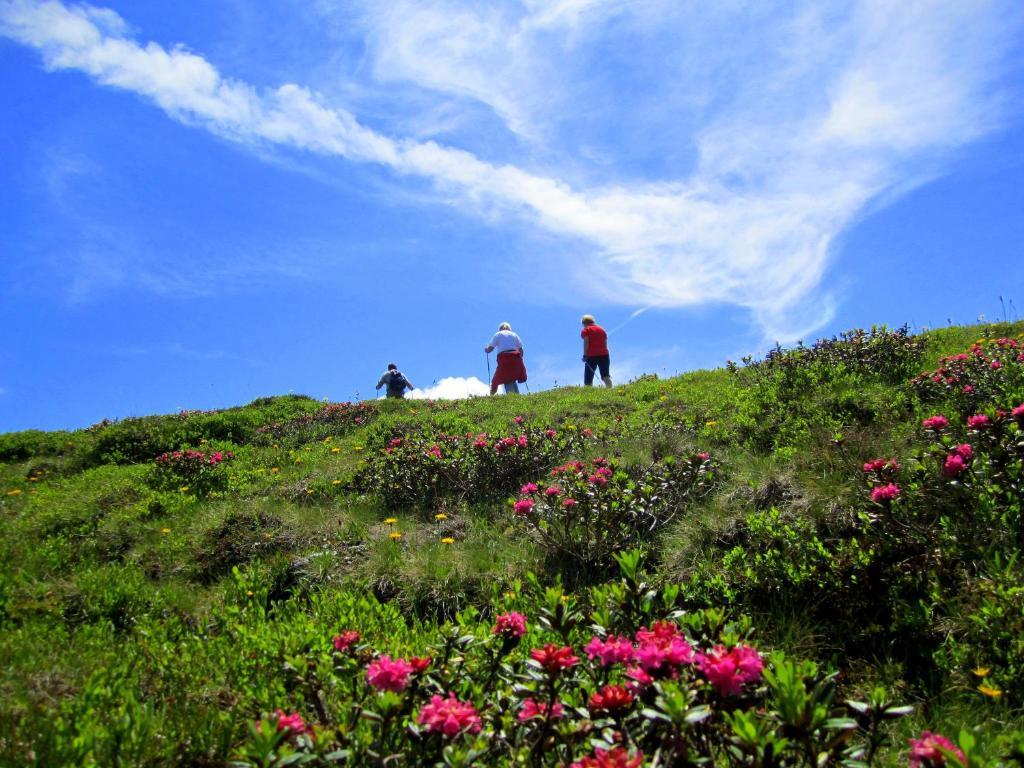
x=193, y=472
x=991, y=371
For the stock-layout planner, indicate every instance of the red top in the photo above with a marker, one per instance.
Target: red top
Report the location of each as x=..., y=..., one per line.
x=598, y=340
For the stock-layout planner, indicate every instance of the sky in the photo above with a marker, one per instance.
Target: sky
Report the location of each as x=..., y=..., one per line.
x=202, y=203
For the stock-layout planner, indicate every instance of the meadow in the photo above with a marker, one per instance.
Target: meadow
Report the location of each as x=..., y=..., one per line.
x=809, y=559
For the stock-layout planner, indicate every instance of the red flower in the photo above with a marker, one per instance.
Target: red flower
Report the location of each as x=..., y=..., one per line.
x=449, y=716
x=610, y=698
x=551, y=490
x=569, y=503
x=588, y=433
x=610, y=758
x=528, y=488
x=1018, y=412
x=598, y=480
x=538, y=710
x=522, y=441
x=932, y=749
x=554, y=659
x=387, y=674
x=550, y=434
x=292, y=725
x=511, y=624
x=420, y=664
x=345, y=640
x=518, y=419
x=614, y=650
x=996, y=365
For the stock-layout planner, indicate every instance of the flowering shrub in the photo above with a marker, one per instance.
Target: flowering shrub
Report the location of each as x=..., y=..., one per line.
x=582, y=514
x=689, y=690
x=192, y=471
x=989, y=371
x=422, y=469
x=331, y=419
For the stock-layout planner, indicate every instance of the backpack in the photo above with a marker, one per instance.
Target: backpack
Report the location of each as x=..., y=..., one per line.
x=396, y=384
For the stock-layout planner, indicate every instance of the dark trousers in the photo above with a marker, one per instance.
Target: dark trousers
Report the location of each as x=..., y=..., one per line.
x=590, y=364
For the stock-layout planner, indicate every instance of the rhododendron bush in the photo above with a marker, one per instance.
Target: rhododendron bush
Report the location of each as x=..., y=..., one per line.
x=585, y=512
x=420, y=469
x=550, y=685
x=989, y=372
x=192, y=471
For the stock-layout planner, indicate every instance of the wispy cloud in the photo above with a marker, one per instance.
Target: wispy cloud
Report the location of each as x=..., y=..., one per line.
x=797, y=117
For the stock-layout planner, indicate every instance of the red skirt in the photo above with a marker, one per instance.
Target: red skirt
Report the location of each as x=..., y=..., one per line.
x=510, y=368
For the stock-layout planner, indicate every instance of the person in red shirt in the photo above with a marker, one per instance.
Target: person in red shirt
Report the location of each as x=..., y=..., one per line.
x=595, y=352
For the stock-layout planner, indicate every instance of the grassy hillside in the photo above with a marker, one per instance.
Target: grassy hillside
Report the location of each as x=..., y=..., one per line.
x=167, y=582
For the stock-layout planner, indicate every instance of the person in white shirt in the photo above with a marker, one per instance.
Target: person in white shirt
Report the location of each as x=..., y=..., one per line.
x=510, y=370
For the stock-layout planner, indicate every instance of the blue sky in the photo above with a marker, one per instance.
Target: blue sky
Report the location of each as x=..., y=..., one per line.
x=207, y=202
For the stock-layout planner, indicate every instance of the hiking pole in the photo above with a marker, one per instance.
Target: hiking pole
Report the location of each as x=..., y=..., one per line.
x=488, y=355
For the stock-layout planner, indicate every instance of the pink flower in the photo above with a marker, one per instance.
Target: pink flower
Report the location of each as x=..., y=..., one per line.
x=523, y=507
x=604, y=471
x=703, y=456
x=529, y=488
x=551, y=490
x=435, y=451
x=730, y=670
x=996, y=365
x=569, y=503
x=1018, y=412
x=550, y=434
x=610, y=758
x=978, y=421
x=292, y=724
x=387, y=674
x=953, y=465
x=967, y=389
x=639, y=677
x=511, y=624
x=614, y=650
x=935, y=423
x=449, y=716
x=518, y=419
x=964, y=451
x=554, y=659
x=480, y=443
x=931, y=749
x=598, y=480
x=522, y=441
x=345, y=640
x=885, y=492
x=875, y=465
x=538, y=710
x=610, y=698
x=395, y=443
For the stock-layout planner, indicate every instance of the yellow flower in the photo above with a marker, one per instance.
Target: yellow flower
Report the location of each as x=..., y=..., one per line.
x=357, y=448
x=663, y=398
x=394, y=535
x=309, y=491
x=14, y=492
x=988, y=690
x=275, y=470
x=440, y=516
x=165, y=530
x=335, y=450
x=981, y=672
x=570, y=427
x=565, y=599
x=298, y=461
x=33, y=479
x=335, y=482
x=413, y=411
x=447, y=540
x=248, y=593
x=710, y=423
x=184, y=489
x=391, y=520
x=328, y=439
x=510, y=595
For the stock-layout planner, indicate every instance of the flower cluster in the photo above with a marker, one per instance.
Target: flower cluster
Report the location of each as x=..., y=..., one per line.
x=191, y=471
x=931, y=750
x=991, y=369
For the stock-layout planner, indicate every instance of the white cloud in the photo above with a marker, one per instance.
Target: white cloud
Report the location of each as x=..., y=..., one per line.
x=452, y=388
x=817, y=113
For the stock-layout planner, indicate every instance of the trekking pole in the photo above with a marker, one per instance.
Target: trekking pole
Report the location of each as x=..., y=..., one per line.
x=488, y=356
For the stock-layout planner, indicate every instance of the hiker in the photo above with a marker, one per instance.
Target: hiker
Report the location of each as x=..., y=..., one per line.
x=595, y=351
x=510, y=370
x=395, y=381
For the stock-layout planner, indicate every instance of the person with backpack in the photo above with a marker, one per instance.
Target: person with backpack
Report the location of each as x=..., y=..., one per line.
x=395, y=381
x=595, y=352
x=510, y=370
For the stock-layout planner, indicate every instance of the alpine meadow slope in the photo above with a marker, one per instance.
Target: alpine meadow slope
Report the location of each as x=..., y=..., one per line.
x=806, y=560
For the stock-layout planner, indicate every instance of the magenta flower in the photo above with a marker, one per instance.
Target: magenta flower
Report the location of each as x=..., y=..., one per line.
x=518, y=419
x=551, y=490
x=569, y=503
x=996, y=365
x=538, y=710
x=967, y=389
x=550, y=434
x=935, y=423
x=523, y=507
x=292, y=725
x=953, y=465
x=931, y=750
x=729, y=671
x=481, y=443
x=387, y=674
x=614, y=650
x=610, y=758
x=511, y=624
x=978, y=421
x=885, y=493
x=1018, y=412
x=345, y=640
x=965, y=451
x=598, y=480
x=449, y=716
x=522, y=441
x=529, y=488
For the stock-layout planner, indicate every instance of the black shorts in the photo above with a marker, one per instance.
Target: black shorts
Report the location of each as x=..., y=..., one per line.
x=590, y=364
